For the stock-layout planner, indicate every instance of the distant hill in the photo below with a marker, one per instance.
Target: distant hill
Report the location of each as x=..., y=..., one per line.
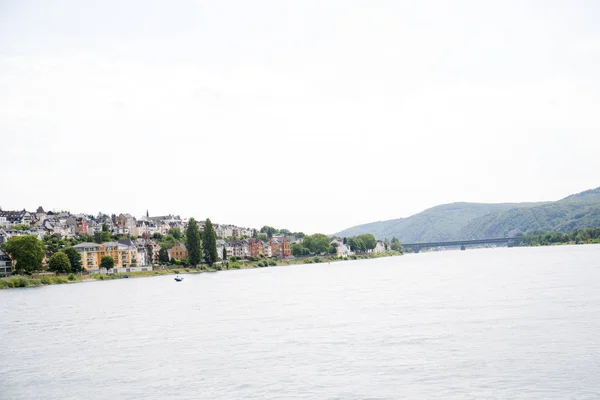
x=440, y=223
x=580, y=210
x=462, y=221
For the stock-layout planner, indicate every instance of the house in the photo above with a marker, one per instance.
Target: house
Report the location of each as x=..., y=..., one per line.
x=267, y=250
x=150, y=249
x=78, y=224
x=9, y=218
x=255, y=247
x=222, y=244
x=342, y=250
x=280, y=247
x=178, y=252
x=6, y=266
x=241, y=248
x=380, y=247
x=91, y=253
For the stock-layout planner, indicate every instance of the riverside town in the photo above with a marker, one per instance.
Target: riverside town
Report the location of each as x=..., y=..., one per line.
x=54, y=243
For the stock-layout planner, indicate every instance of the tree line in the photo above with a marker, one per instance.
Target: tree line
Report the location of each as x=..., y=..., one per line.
x=578, y=236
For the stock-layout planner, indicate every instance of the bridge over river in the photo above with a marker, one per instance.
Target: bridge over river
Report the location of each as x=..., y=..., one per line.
x=416, y=247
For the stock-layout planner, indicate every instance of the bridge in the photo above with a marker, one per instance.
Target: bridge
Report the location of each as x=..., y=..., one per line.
x=416, y=247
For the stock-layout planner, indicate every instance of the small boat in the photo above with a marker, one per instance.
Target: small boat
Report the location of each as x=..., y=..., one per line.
x=178, y=278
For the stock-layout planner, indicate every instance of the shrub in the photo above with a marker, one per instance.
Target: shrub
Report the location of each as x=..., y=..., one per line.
x=45, y=280
x=176, y=271
x=316, y=260
x=308, y=261
x=272, y=262
x=4, y=284
x=71, y=277
x=18, y=281
x=59, y=279
x=34, y=282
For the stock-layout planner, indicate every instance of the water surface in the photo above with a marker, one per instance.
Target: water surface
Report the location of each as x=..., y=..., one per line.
x=489, y=323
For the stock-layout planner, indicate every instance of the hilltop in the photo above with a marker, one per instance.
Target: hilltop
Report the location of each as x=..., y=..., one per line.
x=463, y=221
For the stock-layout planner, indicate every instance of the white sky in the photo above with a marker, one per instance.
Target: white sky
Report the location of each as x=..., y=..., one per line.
x=306, y=115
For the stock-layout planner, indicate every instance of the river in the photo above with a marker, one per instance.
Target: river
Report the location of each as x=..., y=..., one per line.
x=487, y=323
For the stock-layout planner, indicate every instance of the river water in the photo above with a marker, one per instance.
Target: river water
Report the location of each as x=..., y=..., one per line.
x=488, y=323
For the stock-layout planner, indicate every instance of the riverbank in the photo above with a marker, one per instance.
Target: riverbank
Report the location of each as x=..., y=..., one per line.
x=20, y=281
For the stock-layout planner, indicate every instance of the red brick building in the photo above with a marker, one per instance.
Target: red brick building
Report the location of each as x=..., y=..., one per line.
x=256, y=247
x=280, y=247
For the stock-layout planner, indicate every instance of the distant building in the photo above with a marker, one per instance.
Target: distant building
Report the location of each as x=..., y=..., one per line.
x=178, y=252
x=280, y=247
x=123, y=255
x=255, y=247
x=6, y=265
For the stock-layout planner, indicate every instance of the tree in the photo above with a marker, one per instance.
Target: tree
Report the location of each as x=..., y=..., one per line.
x=98, y=237
x=193, y=244
x=356, y=244
x=224, y=254
x=396, y=245
x=176, y=232
x=150, y=253
x=74, y=259
x=268, y=230
x=317, y=243
x=163, y=255
x=52, y=243
x=59, y=263
x=105, y=234
x=209, y=243
x=369, y=241
x=298, y=250
x=107, y=262
x=26, y=251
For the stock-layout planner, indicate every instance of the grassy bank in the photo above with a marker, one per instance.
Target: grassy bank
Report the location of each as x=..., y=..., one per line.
x=20, y=281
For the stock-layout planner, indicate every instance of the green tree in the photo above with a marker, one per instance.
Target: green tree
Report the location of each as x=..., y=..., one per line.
x=317, y=243
x=175, y=232
x=298, y=250
x=98, y=237
x=209, y=243
x=107, y=262
x=224, y=257
x=163, y=255
x=193, y=244
x=105, y=234
x=396, y=245
x=74, y=260
x=268, y=230
x=369, y=241
x=59, y=263
x=356, y=244
x=26, y=251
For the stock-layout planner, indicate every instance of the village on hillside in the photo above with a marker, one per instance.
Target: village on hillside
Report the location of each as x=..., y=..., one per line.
x=138, y=244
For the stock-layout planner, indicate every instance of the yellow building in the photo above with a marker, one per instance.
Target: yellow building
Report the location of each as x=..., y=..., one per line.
x=178, y=252
x=92, y=253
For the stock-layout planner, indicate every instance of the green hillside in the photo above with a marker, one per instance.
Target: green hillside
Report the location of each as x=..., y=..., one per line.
x=463, y=221
x=581, y=210
x=440, y=223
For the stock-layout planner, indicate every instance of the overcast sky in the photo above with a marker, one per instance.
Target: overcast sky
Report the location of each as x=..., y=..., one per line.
x=308, y=115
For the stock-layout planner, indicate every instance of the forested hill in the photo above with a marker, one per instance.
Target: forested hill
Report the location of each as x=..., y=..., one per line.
x=577, y=211
x=440, y=223
x=462, y=221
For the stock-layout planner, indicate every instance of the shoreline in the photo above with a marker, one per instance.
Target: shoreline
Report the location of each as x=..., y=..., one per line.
x=23, y=281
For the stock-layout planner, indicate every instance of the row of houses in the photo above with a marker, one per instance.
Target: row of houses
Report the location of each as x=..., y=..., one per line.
x=277, y=246
x=67, y=225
